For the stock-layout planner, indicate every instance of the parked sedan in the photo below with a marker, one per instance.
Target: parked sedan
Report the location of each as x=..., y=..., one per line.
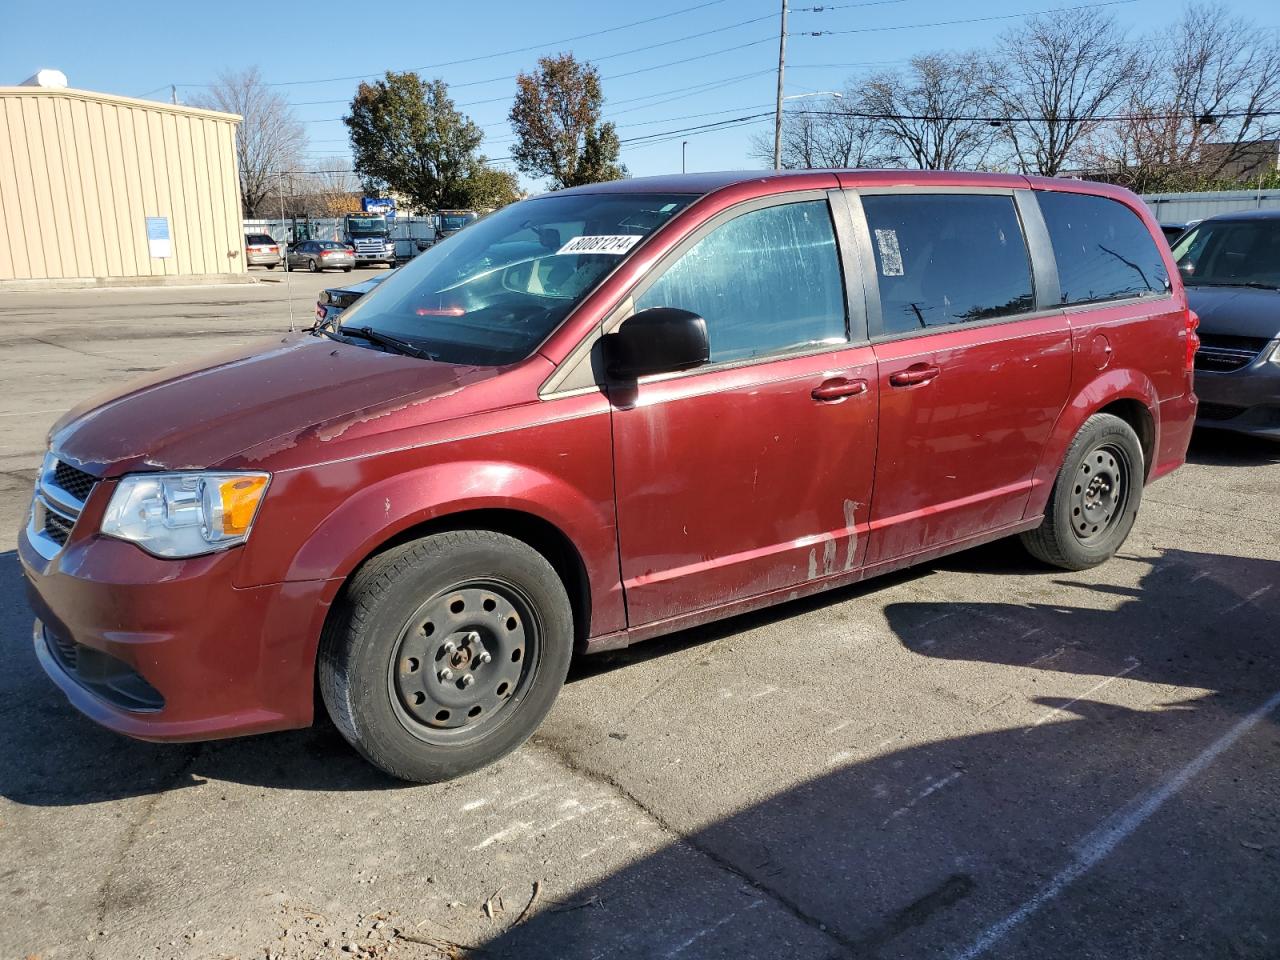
x=260, y=250
x=317, y=255
x=333, y=300
x=1231, y=267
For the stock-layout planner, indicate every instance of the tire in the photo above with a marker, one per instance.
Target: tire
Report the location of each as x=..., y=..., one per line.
x=415, y=622
x=313, y=266
x=1095, y=497
x=347, y=269
x=271, y=266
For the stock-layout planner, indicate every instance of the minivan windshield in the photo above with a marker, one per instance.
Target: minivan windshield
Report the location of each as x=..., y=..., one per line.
x=491, y=293
x=1237, y=253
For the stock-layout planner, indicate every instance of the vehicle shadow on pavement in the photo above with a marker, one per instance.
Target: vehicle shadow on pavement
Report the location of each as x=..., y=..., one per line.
x=924, y=849
x=1221, y=448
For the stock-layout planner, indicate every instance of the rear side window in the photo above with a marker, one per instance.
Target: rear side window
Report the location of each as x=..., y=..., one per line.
x=947, y=258
x=766, y=282
x=1104, y=251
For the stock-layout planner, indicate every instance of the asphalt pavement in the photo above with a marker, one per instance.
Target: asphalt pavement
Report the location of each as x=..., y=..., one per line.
x=978, y=757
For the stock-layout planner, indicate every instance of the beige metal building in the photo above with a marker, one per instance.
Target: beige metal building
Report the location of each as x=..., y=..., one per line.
x=107, y=189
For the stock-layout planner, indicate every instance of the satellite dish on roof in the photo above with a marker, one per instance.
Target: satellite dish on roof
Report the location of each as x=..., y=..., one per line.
x=52, y=79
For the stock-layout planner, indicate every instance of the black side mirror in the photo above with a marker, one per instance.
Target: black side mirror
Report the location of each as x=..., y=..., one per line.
x=657, y=340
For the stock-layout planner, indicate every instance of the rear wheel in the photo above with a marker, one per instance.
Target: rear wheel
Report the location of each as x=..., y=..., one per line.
x=271, y=266
x=446, y=653
x=313, y=266
x=1095, y=497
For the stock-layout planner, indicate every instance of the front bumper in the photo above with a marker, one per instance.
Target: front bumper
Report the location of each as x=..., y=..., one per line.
x=1244, y=401
x=173, y=650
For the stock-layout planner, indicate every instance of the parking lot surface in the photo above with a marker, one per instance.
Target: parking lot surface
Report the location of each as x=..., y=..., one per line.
x=979, y=757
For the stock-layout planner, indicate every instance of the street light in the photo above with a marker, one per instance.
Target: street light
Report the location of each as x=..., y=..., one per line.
x=820, y=93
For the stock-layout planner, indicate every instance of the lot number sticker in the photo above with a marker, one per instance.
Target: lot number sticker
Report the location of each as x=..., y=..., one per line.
x=890, y=253
x=617, y=245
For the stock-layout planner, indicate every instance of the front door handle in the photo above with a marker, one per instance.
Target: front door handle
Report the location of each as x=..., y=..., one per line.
x=837, y=388
x=914, y=375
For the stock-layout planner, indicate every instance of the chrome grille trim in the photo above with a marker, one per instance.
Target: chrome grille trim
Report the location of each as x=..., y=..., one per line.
x=55, y=510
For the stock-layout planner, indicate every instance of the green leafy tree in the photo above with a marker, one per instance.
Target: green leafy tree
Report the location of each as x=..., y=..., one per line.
x=407, y=137
x=556, y=119
x=489, y=188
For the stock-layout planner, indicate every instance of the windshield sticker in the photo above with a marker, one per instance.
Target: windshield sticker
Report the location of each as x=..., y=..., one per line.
x=617, y=245
x=890, y=255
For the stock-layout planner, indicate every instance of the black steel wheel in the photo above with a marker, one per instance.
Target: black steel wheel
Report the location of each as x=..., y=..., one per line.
x=1095, y=497
x=445, y=653
x=1099, y=493
x=463, y=658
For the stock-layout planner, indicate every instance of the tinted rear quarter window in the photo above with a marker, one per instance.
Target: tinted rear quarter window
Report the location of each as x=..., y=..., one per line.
x=943, y=259
x=1104, y=251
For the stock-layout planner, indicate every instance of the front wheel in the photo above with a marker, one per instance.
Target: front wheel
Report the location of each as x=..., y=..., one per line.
x=1095, y=497
x=313, y=266
x=445, y=653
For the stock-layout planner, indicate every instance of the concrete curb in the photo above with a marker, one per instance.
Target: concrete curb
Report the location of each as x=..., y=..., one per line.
x=94, y=283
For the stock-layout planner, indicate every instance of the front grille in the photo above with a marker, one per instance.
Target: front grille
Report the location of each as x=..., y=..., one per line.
x=1222, y=354
x=110, y=678
x=75, y=482
x=57, y=527
x=61, y=493
x=63, y=649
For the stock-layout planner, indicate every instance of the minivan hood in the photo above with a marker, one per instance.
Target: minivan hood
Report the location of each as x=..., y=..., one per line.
x=1236, y=311
x=203, y=414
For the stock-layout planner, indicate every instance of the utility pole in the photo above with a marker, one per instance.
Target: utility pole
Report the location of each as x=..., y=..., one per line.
x=173, y=93
x=684, y=147
x=777, y=115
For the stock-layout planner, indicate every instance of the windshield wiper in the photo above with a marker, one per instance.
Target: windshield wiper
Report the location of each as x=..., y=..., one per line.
x=1255, y=284
x=394, y=344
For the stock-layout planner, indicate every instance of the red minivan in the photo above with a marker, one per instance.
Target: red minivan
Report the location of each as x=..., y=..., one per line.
x=594, y=417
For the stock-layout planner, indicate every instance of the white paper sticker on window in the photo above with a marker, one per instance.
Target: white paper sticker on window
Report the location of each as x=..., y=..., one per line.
x=615, y=245
x=890, y=254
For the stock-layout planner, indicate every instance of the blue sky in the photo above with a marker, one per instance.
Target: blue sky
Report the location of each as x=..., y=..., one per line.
x=710, y=61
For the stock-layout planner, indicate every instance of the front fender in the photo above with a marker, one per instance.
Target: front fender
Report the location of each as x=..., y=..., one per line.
x=1108, y=386
x=387, y=508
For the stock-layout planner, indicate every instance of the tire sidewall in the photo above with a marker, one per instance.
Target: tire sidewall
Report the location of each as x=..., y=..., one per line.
x=378, y=730
x=1100, y=429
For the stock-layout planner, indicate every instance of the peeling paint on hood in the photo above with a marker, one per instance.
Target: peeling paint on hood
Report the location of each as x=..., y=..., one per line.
x=268, y=395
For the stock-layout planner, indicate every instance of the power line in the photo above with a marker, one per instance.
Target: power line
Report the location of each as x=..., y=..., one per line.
x=616, y=76
x=948, y=23
x=504, y=53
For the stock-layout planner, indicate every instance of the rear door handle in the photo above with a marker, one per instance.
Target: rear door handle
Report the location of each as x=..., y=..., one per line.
x=837, y=388
x=914, y=375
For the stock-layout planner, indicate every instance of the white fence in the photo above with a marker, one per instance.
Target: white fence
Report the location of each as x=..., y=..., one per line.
x=1179, y=208
x=405, y=231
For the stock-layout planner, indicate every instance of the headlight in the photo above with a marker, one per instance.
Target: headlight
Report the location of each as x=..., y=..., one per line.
x=184, y=514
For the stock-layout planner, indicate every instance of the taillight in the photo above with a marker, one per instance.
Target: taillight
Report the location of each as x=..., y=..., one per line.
x=1193, y=339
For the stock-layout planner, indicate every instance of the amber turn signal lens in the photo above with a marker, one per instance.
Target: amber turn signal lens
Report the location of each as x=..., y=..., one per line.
x=240, y=497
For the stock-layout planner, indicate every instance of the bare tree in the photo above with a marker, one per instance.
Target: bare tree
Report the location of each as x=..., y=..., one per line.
x=830, y=133
x=269, y=139
x=1051, y=76
x=932, y=117
x=329, y=188
x=1198, y=113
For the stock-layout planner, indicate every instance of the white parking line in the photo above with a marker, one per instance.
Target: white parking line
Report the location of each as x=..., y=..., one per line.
x=1100, y=844
x=1134, y=663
